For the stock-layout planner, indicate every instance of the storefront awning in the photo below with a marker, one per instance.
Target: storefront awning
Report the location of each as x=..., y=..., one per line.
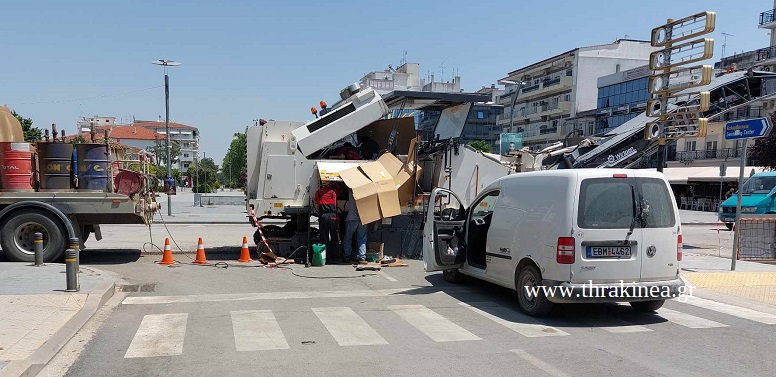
x=686, y=175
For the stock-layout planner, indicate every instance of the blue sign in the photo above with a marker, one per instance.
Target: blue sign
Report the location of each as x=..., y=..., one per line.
x=747, y=129
x=510, y=143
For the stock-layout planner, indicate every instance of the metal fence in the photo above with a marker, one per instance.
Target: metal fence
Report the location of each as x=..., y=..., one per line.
x=757, y=238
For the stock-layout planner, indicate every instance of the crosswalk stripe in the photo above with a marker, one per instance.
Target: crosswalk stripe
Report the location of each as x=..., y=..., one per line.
x=535, y=361
x=733, y=310
x=435, y=326
x=257, y=330
x=688, y=320
x=621, y=327
x=159, y=335
x=347, y=327
x=520, y=324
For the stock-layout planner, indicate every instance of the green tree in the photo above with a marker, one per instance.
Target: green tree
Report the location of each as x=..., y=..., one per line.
x=161, y=155
x=78, y=139
x=31, y=134
x=481, y=145
x=234, y=166
x=206, y=179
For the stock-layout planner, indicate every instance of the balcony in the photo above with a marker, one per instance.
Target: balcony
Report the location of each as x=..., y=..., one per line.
x=748, y=59
x=690, y=156
x=766, y=19
x=549, y=109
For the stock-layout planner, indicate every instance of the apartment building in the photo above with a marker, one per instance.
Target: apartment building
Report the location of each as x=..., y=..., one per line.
x=557, y=97
x=186, y=136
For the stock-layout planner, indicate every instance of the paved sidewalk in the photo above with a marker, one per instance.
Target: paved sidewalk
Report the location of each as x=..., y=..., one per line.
x=698, y=217
x=751, y=280
x=38, y=317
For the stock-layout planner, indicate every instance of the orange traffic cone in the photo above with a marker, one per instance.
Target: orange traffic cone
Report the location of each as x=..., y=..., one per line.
x=167, y=256
x=245, y=253
x=200, y=253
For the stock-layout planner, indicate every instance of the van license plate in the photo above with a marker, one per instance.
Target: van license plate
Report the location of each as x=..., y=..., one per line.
x=608, y=251
x=729, y=219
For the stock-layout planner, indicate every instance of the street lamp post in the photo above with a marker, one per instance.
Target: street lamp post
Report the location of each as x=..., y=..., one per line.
x=520, y=86
x=167, y=63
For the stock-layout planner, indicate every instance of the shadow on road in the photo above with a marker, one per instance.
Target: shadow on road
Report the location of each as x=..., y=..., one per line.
x=501, y=303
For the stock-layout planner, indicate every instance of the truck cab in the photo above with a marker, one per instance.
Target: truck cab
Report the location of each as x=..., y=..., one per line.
x=562, y=236
x=758, y=196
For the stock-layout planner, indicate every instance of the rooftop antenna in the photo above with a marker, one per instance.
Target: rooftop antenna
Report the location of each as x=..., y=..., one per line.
x=442, y=71
x=725, y=42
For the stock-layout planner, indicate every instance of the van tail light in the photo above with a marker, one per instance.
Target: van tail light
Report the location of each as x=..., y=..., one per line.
x=679, y=247
x=565, y=250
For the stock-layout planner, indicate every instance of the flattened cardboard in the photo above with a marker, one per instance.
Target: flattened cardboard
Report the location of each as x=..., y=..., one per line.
x=365, y=193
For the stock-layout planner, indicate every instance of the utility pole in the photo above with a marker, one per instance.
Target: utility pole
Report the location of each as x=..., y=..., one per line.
x=167, y=63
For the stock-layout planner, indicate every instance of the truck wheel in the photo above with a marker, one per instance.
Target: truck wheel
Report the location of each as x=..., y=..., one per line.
x=729, y=225
x=534, y=305
x=18, y=236
x=452, y=275
x=647, y=306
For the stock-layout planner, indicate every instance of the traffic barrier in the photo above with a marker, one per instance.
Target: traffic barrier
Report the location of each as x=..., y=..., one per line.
x=167, y=256
x=245, y=253
x=200, y=253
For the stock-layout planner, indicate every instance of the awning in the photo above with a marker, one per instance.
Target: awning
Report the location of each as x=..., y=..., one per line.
x=329, y=170
x=685, y=175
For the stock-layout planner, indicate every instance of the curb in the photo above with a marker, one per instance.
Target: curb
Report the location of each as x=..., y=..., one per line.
x=35, y=363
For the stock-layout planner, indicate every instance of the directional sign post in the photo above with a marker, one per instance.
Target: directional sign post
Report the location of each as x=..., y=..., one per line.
x=744, y=130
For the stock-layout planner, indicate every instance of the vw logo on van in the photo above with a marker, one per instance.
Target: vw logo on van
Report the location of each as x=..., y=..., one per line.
x=651, y=250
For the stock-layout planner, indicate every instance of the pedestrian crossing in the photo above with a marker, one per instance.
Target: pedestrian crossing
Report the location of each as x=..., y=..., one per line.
x=259, y=330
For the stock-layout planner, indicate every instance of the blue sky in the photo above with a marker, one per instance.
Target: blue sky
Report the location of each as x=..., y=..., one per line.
x=244, y=60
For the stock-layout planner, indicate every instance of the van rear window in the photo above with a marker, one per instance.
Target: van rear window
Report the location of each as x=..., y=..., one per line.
x=612, y=203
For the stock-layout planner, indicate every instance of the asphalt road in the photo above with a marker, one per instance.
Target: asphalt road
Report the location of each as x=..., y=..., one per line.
x=333, y=321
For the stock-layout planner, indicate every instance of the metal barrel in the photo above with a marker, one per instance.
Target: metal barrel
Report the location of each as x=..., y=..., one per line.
x=15, y=167
x=55, y=162
x=92, y=162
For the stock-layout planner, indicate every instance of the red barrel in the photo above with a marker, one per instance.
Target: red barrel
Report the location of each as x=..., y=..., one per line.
x=15, y=167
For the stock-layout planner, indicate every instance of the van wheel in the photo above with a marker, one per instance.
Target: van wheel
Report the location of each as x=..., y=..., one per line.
x=729, y=225
x=452, y=275
x=533, y=305
x=647, y=306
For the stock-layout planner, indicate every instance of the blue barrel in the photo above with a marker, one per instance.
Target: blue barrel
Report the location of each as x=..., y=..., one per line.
x=92, y=162
x=55, y=166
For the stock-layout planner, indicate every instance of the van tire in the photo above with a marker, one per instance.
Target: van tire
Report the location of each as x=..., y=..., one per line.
x=452, y=276
x=537, y=306
x=729, y=225
x=647, y=306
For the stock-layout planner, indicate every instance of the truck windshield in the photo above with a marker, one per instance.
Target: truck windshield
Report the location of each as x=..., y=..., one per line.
x=609, y=203
x=759, y=185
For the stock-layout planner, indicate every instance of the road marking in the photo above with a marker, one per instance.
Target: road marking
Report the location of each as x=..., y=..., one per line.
x=621, y=327
x=520, y=324
x=159, y=335
x=735, y=311
x=688, y=320
x=547, y=368
x=383, y=274
x=436, y=327
x=347, y=327
x=257, y=330
x=149, y=300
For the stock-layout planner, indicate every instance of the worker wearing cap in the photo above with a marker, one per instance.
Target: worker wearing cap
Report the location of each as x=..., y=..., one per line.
x=326, y=205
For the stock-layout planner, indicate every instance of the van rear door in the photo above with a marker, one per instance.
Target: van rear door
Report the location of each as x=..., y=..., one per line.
x=608, y=240
x=660, y=230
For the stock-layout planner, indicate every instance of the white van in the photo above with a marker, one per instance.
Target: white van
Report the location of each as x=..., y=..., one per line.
x=563, y=236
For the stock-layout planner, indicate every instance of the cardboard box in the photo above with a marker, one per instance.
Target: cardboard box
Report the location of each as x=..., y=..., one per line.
x=375, y=247
x=381, y=187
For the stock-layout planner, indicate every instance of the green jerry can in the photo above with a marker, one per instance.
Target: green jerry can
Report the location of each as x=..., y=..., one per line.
x=319, y=254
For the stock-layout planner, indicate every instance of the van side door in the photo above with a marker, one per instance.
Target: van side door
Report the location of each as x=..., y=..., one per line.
x=444, y=232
